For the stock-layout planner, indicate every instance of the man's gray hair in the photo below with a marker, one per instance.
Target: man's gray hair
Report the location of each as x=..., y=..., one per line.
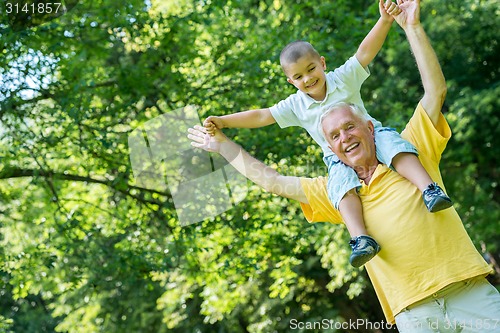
x=355, y=109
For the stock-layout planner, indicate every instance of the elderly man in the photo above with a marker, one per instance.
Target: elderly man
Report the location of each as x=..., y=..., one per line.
x=428, y=276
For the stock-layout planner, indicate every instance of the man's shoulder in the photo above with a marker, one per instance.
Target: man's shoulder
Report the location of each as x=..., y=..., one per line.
x=319, y=208
x=428, y=139
x=314, y=186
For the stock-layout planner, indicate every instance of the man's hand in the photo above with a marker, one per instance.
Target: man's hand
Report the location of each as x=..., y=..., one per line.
x=410, y=13
x=388, y=10
x=201, y=139
x=212, y=124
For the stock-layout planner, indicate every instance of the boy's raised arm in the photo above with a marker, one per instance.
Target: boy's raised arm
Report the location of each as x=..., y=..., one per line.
x=372, y=43
x=246, y=119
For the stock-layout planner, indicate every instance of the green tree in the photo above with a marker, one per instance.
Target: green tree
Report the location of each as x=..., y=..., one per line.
x=86, y=249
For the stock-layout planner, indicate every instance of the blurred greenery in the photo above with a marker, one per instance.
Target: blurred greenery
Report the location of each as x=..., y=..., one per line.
x=84, y=249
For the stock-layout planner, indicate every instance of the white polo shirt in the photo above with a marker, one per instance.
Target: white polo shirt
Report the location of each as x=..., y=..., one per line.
x=342, y=85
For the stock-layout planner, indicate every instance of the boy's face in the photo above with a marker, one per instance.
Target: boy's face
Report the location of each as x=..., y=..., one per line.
x=308, y=75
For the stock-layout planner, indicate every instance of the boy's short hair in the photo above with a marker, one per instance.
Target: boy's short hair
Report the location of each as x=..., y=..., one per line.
x=294, y=51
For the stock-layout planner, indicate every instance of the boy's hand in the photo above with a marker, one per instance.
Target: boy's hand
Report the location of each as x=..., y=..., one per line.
x=212, y=124
x=388, y=10
x=201, y=139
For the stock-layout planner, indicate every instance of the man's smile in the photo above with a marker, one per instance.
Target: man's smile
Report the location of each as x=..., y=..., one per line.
x=351, y=147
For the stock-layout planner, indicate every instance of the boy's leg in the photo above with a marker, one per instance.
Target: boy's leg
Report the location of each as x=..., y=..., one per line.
x=364, y=247
x=408, y=165
x=341, y=188
x=394, y=151
x=352, y=212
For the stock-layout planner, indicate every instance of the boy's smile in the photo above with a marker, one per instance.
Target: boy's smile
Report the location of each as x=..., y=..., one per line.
x=308, y=75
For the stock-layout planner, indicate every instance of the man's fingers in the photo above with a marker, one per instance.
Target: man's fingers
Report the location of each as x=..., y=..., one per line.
x=210, y=129
x=196, y=139
x=394, y=11
x=197, y=133
x=200, y=128
x=194, y=131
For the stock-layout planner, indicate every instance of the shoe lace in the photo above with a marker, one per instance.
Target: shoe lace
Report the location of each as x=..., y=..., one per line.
x=355, y=243
x=432, y=189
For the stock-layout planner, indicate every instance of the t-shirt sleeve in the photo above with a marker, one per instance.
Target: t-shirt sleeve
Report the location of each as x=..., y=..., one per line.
x=352, y=74
x=319, y=208
x=283, y=113
x=429, y=140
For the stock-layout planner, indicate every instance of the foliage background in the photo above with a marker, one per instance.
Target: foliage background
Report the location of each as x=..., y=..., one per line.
x=84, y=249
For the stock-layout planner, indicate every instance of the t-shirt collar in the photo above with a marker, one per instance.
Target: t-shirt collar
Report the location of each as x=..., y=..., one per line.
x=381, y=170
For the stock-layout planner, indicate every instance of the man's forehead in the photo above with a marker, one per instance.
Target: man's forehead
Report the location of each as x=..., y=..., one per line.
x=338, y=118
x=344, y=113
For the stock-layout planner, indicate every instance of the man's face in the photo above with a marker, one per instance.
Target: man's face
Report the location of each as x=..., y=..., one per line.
x=308, y=75
x=350, y=138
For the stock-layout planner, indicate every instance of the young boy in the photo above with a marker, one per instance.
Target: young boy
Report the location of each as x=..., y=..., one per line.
x=305, y=69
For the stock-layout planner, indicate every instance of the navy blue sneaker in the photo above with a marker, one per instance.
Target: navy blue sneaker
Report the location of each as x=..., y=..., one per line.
x=364, y=248
x=435, y=199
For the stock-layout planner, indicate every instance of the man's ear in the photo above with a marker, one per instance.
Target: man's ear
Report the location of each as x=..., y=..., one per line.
x=289, y=80
x=323, y=62
x=371, y=127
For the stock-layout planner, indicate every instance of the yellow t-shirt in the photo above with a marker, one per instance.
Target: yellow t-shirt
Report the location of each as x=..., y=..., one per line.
x=421, y=252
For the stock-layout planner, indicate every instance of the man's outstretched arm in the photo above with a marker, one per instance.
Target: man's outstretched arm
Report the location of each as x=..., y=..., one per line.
x=261, y=174
x=428, y=65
